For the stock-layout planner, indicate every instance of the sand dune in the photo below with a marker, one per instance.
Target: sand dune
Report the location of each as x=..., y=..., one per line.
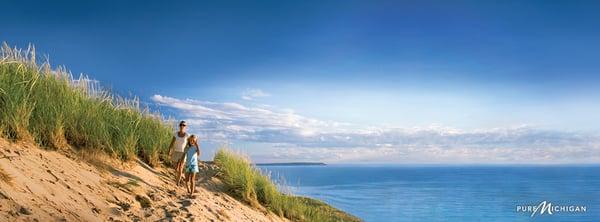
x=40, y=185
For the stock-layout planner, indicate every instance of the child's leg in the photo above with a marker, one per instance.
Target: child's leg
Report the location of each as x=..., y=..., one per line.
x=193, y=182
x=187, y=187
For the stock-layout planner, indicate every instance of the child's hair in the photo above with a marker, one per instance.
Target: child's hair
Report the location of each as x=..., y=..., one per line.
x=189, y=140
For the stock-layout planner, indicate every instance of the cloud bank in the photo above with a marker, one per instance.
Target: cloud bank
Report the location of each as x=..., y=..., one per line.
x=294, y=137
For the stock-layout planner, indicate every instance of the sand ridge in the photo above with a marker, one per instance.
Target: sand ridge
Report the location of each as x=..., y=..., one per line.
x=59, y=186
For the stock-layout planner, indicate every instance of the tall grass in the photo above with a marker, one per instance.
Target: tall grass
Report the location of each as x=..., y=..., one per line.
x=246, y=182
x=50, y=107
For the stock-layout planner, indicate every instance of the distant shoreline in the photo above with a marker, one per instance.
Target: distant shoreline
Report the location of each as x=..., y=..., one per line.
x=292, y=164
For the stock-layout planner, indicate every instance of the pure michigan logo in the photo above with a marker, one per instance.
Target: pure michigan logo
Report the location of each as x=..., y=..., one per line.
x=549, y=208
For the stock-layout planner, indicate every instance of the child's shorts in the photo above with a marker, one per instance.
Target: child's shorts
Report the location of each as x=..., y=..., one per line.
x=191, y=168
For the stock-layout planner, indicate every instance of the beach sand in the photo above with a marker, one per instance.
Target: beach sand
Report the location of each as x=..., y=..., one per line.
x=41, y=185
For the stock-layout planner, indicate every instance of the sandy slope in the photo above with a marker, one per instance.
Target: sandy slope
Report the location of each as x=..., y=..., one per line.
x=59, y=186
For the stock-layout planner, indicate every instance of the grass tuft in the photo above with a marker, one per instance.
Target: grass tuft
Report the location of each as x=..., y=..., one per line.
x=246, y=182
x=50, y=107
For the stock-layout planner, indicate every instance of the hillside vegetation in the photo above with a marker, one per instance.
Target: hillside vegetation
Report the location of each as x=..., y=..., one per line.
x=48, y=106
x=52, y=109
x=249, y=184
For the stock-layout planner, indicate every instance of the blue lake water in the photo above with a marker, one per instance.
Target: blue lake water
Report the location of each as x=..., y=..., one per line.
x=449, y=193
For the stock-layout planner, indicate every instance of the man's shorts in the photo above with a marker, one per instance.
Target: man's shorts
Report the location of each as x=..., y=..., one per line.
x=176, y=156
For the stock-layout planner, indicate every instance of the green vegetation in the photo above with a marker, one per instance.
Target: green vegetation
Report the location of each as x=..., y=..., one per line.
x=48, y=106
x=246, y=182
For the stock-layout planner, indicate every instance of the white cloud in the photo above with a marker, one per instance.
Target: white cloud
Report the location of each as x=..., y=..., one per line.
x=251, y=94
x=302, y=138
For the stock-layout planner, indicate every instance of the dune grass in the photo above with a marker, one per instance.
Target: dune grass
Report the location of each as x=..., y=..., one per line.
x=246, y=182
x=48, y=106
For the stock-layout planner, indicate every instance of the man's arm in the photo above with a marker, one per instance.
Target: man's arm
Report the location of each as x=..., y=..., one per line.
x=171, y=146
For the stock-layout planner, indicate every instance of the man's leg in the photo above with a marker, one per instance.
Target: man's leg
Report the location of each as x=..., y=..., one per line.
x=179, y=170
x=180, y=164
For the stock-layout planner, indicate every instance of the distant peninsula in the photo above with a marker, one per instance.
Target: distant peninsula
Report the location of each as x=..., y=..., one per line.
x=292, y=164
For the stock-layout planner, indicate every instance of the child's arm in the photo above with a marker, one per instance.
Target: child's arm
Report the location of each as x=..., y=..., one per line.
x=198, y=150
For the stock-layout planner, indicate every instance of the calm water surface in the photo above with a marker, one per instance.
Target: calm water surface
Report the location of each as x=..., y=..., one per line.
x=448, y=193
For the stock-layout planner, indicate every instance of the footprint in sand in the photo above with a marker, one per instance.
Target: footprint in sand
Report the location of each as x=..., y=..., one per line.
x=185, y=203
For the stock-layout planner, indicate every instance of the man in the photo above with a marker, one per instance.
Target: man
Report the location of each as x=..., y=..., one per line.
x=176, y=148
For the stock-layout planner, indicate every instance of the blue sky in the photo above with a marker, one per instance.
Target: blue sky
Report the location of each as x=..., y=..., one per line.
x=344, y=81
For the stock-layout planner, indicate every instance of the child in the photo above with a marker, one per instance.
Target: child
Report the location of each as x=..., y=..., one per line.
x=192, y=154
